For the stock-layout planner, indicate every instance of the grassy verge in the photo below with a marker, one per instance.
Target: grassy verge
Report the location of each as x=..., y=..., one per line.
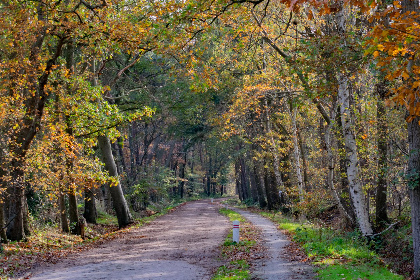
x=337, y=255
x=238, y=256
x=48, y=243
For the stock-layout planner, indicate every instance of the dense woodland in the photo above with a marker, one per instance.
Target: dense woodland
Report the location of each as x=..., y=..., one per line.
x=309, y=107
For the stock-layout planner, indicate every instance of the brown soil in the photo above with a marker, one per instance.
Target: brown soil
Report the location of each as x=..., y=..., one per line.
x=180, y=245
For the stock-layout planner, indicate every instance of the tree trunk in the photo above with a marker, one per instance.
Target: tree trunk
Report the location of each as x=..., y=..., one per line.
x=73, y=213
x=382, y=128
x=244, y=181
x=63, y=213
x=356, y=190
x=3, y=236
x=270, y=183
x=238, y=180
x=120, y=204
x=304, y=160
x=90, y=213
x=16, y=195
x=413, y=176
x=331, y=168
x=259, y=185
x=181, y=175
x=252, y=184
x=413, y=170
x=346, y=200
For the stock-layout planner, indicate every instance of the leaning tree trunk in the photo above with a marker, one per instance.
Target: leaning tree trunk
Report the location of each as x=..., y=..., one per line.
x=120, y=204
x=356, y=190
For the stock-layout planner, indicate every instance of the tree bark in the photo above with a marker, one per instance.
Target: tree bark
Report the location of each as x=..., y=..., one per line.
x=270, y=180
x=413, y=170
x=73, y=213
x=63, y=213
x=90, y=213
x=120, y=204
x=244, y=181
x=413, y=176
x=16, y=195
x=181, y=185
x=260, y=186
x=356, y=190
x=3, y=236
x=238, y=180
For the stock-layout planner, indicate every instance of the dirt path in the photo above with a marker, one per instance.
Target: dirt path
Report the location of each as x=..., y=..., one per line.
x=275, y=265
x=182, y=245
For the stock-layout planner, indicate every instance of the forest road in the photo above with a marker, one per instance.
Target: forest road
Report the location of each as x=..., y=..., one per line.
x=275, y=265
x=182, y=245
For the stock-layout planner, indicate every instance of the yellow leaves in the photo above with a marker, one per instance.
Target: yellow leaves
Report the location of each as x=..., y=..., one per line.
x=397, y=4
x=375, y=54
x=405, y=75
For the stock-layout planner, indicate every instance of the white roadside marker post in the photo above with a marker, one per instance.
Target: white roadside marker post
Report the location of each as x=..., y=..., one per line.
x=236, y=231
x=212, y=200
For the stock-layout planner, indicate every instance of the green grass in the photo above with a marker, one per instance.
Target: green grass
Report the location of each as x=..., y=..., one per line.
x=106, y=219
x=339, y=255
x=236, y=270
x=350, y=272
x=232, y=215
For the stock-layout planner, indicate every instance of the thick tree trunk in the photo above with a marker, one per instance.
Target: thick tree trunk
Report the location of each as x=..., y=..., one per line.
x=73, y=213
x=413, y=171
x=356, y=190
x=346, y=199
x=120, y=204
x=382, y=128
x=90, y=213
x=63, y=213
x=15, y=196
x=413, y=176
